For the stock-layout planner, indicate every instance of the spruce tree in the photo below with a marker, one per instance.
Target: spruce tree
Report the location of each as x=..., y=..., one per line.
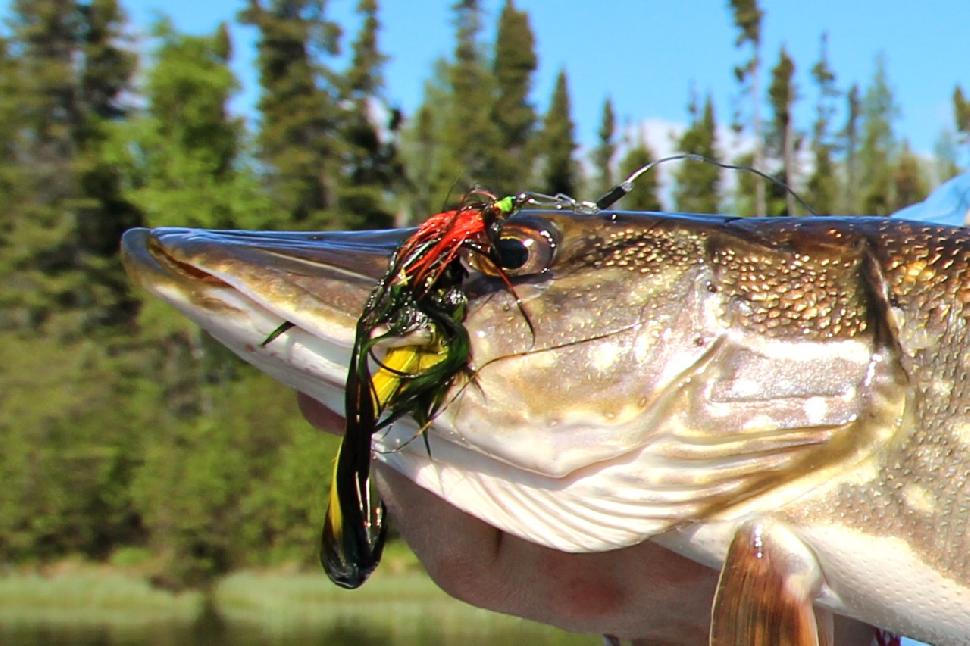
x=747, y=18
x=431, y=173
x=878, y=145
x=183, y=155
x=697, y=188
x=297, y=140
x=470, y=136
x=645, y=195
x=103, y=213
x=961, y=117
x=961, y=111
x=606, y=149
x=782, y=137
x=513, y=66
x=908, y=181
x=64, y=306
x=823, y=183
x=560, y=174
x=371, y=165
x=850, y=147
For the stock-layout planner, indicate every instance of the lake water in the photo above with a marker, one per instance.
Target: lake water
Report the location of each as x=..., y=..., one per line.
x=222, y=634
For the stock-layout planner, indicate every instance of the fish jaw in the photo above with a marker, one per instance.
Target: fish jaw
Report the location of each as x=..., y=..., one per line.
x=242, y=286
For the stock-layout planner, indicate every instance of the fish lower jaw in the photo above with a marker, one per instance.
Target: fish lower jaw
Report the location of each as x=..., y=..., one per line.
x=306, y=362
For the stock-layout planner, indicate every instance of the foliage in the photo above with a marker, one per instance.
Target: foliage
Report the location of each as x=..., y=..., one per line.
x=823, y=187
x=697, y=188
x=781, y=135
x=605, y=150
x=559, y=172
x=747, y=17
x=513, y=65
x=297, y=140
x=878, y=144
x=645, y=195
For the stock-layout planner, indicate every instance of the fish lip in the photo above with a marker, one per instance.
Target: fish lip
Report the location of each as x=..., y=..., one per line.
x=189, y=260
x=363, y=254
x=318, y=282
x=297, y=276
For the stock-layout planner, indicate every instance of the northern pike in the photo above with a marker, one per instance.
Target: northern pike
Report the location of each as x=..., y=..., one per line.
x=786, y=400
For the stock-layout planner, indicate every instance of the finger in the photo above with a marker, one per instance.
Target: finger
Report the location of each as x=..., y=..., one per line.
x=319, y=415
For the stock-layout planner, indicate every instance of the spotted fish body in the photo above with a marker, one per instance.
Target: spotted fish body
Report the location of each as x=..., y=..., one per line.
x=783, y=399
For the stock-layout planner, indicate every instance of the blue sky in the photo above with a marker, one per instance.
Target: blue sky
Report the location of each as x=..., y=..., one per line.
x=646, y=54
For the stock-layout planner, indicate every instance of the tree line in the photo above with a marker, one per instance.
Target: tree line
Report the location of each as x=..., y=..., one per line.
x=123, y=425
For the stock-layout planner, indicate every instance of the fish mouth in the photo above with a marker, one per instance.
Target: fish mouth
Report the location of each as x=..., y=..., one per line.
x=241, y=286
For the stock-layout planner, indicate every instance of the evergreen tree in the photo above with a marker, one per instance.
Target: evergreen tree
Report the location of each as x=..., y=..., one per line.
x=469, y=135
x=747, y=18
x=645, y=195
x=823, y=183
x=908, y=182
x=946, y=162
x=878, y=146
x=560, y=174
x=606, y=149
x=782, y=137
x=961, y=111
x=300, y=117
x=514, y=63
x=182, y=155
x=697, y=187
x=431, y=171
x=850, y=146
x=103, y=213
x=961, y=116
x=372, y=168
x=65, y=464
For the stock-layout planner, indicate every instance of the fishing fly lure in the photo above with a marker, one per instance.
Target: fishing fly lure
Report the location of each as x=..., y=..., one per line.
x=418, y=297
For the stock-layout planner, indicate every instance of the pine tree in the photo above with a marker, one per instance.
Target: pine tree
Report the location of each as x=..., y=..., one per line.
x=747, y=18
x=513, y=65
x=850, y=146
x=62, y=308
x=372, y=168
x=606, y=149
x=431, y=172
x=469, y=135
x=645, y=195
x=697, y=187
x=823, y=183
x=961, y=111
x=560, y=174
x=878, y=145
x=782, y=137
x=961, y=116
x=299, y=114
x=182, y=155
x=908, y=182
x=103, y=213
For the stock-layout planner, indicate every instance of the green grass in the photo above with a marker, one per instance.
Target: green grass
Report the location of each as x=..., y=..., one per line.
x=89, y=595
x=398, y=605
x=401, y=607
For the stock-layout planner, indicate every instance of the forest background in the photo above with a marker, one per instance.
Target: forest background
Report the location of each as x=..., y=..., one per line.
x=125, y=429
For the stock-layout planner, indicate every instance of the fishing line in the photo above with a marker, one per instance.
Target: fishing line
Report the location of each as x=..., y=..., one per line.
x=623, y=188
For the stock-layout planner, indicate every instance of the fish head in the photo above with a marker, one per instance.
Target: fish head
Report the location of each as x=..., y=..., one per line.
x=597, y=313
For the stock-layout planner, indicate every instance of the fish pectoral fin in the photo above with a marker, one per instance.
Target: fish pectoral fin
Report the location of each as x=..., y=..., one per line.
x=766, y=591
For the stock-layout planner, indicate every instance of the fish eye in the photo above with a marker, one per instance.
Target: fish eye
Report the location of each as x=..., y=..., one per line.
x=521, y=250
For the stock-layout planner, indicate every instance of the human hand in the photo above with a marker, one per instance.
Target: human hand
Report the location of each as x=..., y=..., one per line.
x=644, y=592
